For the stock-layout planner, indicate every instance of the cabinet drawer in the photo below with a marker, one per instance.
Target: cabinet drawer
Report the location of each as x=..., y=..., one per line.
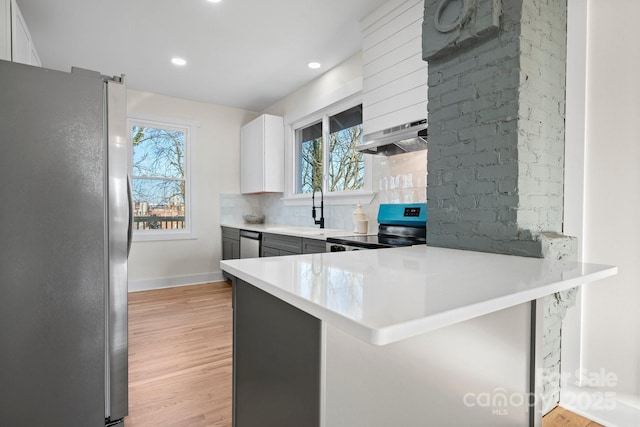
x=230, y=233
x=267, y=252
x=290, y=244
x=313, y=246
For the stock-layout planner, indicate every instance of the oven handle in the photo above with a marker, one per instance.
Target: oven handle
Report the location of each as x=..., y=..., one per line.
x=333, y=247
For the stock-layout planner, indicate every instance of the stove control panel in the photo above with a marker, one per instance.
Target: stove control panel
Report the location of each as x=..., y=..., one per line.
x=405, y=214
x=412, y=211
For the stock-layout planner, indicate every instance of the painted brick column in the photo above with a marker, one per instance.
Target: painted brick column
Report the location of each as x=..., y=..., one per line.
x=496, y=136
x=496, y=124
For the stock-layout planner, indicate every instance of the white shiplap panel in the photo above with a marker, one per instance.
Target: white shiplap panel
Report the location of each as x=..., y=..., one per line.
x=409, y=18
x=398, y=102
x=392, y=42
x=394, y=75
x=395, y=72
x=409, y=82
x=410, y=49
x=384, y=14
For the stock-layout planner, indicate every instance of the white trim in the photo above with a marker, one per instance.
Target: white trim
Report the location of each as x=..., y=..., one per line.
x=606, y=409
x=163, y=120
x=189, y=127
x=172, y=282
x=574, y=180
x=291, y=198
x=158, y=235
x=340, y=94
x=347, y=92
x=575, y=128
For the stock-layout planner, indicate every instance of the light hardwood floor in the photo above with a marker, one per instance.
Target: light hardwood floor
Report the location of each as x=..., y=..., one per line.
x=180, y=357
x=560, y=417
x=180, y=360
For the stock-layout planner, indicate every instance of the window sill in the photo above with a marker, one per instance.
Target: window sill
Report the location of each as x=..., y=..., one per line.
x=153, y=236
x=351, y=198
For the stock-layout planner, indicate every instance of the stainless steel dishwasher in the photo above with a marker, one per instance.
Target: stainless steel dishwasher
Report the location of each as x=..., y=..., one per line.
x=249, y=244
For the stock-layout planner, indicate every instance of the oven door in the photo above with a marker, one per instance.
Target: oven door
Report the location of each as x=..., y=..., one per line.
x=337, y=247
x=334, y=247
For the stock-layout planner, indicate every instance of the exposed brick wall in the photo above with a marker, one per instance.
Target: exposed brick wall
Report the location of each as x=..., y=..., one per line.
x=496, y=132
x=541, y=112
x=496, y=139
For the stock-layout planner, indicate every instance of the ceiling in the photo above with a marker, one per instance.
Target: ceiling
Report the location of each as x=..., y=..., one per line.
x=240, y=53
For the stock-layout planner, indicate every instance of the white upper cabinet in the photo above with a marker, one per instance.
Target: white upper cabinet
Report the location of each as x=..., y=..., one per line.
x=262, y=155
x=15, y=40
x=394, y=74
x=5, y=30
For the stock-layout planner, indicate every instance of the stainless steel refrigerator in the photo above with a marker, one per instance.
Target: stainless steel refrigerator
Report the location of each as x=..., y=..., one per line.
x=64, y=233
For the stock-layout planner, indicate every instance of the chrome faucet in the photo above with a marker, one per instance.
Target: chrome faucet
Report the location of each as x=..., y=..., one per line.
x=313, y=207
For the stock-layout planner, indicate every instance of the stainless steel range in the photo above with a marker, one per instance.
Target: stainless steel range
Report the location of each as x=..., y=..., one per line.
x=400, y=225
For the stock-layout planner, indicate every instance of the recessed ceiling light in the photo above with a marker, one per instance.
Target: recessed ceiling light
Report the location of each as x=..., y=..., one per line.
x=178, y=61
x=214, y=1
x=314, y=65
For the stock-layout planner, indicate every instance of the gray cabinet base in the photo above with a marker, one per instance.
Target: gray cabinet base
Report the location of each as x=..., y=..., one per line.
x=276, y=361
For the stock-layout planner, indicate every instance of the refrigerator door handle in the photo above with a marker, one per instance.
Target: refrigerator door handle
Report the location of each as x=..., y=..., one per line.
x=130, y=228
x=120, y=212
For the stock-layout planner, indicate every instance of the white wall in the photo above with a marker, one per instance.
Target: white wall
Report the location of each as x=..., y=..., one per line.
x=216, y=169
x=611, y=308
x=332, y=86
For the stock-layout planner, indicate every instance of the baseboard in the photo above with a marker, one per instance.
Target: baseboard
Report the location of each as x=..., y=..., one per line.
x=597, y=406
x=172, y=282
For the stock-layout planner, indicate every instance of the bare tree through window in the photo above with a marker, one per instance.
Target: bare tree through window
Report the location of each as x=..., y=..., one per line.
x=158, y=177
x=345, y=166
x=311, y=157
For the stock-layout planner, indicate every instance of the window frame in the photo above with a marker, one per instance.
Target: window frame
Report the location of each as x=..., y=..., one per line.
x=292, y=197
x=189, y=129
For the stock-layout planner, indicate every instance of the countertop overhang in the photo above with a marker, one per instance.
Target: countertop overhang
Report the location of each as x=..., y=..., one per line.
x=386, y=295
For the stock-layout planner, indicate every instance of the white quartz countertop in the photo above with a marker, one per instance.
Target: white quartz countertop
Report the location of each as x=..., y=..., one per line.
x=387, y=295
x=306, y=232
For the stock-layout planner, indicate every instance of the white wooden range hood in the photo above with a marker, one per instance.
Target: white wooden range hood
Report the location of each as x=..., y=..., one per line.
x=394, y=79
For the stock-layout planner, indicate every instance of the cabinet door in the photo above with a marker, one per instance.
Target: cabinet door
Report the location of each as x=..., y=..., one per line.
x=289, y=244
x=5, y=30
x=235, y=249
x=276, y=361
x=22, y=47
x=230, y=249
x=267, y=251
x=230, y=243
x=35, y=59
x=313, y=246
x=262, y=155
x=283, y=253
x=273, y=134
x=21, y=40
x=252, y=156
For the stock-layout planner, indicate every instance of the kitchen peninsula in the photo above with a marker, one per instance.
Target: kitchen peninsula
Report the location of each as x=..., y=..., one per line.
x=409, y=336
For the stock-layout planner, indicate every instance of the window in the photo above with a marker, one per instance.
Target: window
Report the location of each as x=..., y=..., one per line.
x=160, y=180
x=326, y=155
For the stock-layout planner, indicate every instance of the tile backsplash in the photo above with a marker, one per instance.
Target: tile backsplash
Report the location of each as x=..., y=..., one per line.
x=396, y=179
x=401, y=178
x=234, y=206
